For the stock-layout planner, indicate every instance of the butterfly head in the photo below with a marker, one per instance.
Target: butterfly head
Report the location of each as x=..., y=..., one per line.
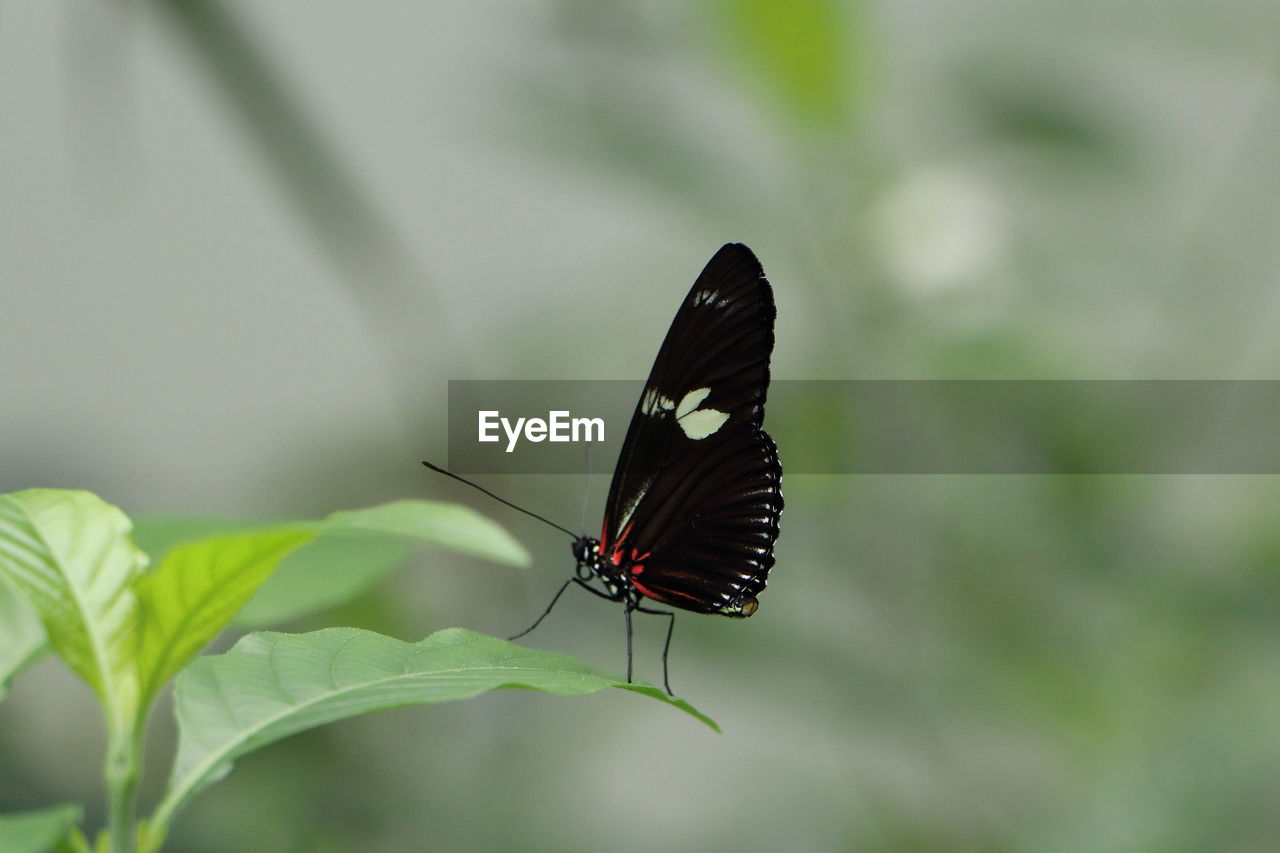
x=592, y=564
x=587, y=552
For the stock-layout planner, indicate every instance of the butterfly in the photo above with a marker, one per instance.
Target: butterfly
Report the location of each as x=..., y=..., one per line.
x=693, y=508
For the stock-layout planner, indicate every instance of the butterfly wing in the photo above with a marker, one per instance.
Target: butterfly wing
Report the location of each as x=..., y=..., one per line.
x=707, y=543
x=693, y=509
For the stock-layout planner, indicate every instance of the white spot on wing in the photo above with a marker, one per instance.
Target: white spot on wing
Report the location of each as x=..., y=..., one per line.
x=690, y=401
x=702, y=423
x=630, y=509
x=655, y=404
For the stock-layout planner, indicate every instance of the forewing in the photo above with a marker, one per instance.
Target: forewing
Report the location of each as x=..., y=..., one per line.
x=710, y=379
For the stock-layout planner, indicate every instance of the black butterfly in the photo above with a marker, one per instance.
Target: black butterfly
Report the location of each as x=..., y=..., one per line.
x=693, y=509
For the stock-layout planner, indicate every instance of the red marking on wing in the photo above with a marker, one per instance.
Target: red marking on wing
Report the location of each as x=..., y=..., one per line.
x=616, y=551
x=665, y=598
x=616, y=556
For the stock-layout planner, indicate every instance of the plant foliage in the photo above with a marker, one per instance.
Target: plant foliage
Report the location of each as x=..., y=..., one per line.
x=73, y=579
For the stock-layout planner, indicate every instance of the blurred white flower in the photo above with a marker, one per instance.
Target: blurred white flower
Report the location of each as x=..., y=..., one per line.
x=940, y=230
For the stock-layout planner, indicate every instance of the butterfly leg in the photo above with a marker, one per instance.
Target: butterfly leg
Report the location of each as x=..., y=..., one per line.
x=627, y=609
x=556, y=598
x=671, y=626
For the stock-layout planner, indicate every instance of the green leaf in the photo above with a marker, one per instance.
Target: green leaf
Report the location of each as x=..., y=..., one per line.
x=358, y=547
x=272, y=685
x=800, y=47
x=69, y=553
x=36, y=831
x=197, y=589
x=73, y=842
x=150, y=837
x=355, y=549
x=156, y=534
x=21, y=637
x=328, y=572
x=446, y=525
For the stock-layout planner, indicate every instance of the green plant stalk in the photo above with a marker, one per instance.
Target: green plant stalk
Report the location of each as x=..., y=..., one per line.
x=158, y=823
x=123, y=762
x=121, y=771
x=158, y=826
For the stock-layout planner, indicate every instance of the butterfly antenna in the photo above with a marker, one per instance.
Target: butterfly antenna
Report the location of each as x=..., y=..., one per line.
x=586, y=492
x=440, y=470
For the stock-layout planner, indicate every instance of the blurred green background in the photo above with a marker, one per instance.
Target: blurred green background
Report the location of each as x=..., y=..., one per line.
x=244, y=246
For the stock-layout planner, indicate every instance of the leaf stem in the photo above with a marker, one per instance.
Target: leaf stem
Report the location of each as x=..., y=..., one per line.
x=121, y=770
x=158, y=823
